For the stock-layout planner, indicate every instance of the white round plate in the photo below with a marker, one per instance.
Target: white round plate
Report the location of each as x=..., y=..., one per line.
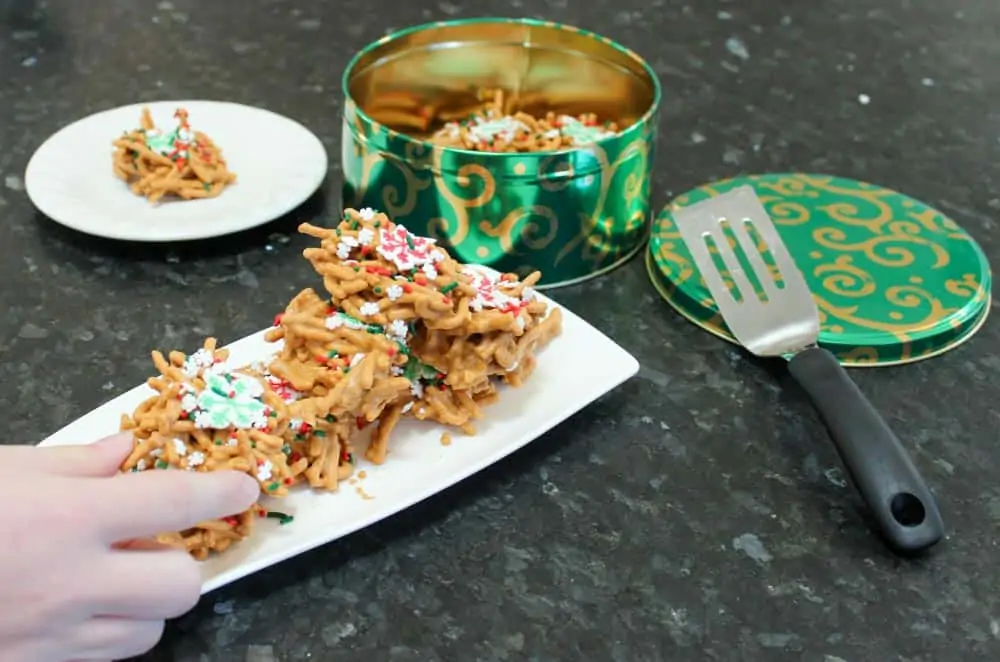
x=278, y=164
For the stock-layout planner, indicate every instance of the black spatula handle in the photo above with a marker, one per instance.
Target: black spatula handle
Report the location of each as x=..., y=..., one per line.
x=876, y=461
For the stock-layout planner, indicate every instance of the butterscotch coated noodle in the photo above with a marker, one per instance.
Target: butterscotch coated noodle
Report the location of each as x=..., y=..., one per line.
x=181, y=163
x=495, y=126
x=403, y=330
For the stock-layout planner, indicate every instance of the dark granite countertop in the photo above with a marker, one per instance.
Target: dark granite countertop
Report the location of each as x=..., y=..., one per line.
x=695, y=514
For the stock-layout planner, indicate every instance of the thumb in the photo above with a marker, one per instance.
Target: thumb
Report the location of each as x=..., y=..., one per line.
x=100, y=459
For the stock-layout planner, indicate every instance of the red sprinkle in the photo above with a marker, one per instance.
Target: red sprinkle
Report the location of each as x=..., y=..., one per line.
x=407, y=288
x=294, y=457
x=289, y=481
x=277, y=319
x=231, y=521
x=361, y=422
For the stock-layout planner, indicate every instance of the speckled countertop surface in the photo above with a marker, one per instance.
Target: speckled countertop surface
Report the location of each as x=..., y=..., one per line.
x=696, y=514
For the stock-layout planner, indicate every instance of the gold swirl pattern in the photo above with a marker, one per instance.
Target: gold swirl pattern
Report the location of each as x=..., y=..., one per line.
x=530, y=234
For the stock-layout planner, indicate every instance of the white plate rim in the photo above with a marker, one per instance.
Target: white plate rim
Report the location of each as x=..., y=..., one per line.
x=205, y=231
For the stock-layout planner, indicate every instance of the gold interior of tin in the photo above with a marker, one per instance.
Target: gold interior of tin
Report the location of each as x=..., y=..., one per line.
x=412, y=82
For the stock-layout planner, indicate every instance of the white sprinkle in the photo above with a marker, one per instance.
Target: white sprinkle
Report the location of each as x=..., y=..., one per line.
x=394, y=292
x=407, y=407
x=396, y=370
x=369, y=309
x=189, y=402
x=180, y=448
x=366, y=214
x=430, y=271
x=232, y=441
x=528, y=294
x=520, y=323
x=202, y=420
x=346, y=245
x=357, y=358
x=196, y=459
x=196, y=362
x=927, y=82
x=140, y=465
x=365, y=236
x=417, y=389
x=14, y=183
x=864, y=99
x=156, y=452
x=398, y=330
x=334, y=321
x=264, y=470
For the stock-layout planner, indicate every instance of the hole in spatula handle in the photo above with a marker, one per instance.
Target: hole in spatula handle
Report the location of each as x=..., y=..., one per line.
x=907, y=510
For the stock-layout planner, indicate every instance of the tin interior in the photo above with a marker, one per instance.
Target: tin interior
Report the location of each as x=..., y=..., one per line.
x=410, y=78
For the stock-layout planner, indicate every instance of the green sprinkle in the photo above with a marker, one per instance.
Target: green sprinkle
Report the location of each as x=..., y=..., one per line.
x=449, y=287
x=409, y=241
x=377, y=290
x=286, y=449
x=207, y=186
x=161, y=464
x=273, y=414
x=332, y=354
x=282, y=518
x=273, y=486
x=338, y=232
x=354, y=224
x=347, y=370
x=330, y=418
x=350, y=458
x=253, y=444
x=218, y=442
x=377, y=224
x=319, y=433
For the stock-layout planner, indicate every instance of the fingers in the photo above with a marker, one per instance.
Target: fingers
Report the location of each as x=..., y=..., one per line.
x=148, y=503
x=115, y=638
x=99, y=459
x=148, y=585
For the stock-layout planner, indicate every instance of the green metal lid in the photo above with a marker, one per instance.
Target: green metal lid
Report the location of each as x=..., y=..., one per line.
x=894, y=279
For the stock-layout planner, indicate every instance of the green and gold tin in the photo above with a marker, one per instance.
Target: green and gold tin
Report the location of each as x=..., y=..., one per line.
x=573, y=213
x=895, y=280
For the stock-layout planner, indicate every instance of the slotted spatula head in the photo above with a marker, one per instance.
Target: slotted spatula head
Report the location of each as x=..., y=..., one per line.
x=777, y=316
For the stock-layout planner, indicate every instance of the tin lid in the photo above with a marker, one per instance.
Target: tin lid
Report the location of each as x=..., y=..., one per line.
x=895, y=280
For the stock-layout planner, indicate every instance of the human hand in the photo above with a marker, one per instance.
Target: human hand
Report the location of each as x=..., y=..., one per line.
x=69, y=590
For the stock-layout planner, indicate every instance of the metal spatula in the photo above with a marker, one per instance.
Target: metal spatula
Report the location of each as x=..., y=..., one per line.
x=780, y=318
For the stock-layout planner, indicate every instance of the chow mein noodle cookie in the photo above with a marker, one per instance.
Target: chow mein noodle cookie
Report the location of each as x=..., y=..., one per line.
x=403, y=331
x=469, y=325
x=181, y=163
x=495, y=127
x=205, y=417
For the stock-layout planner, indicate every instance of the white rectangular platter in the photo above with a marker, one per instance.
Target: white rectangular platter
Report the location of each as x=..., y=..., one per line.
x=574, y=370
